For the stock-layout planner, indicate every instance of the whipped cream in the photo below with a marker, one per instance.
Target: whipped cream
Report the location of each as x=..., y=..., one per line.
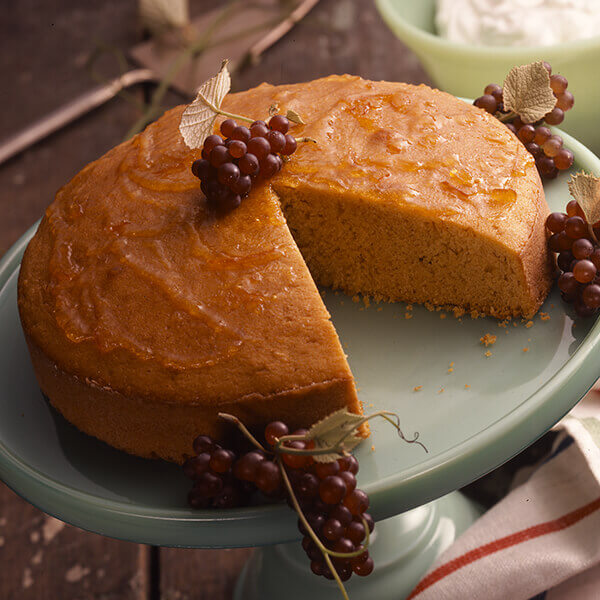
x=517, y=22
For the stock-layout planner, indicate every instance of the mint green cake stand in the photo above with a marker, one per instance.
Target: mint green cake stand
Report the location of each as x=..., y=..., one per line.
x=472, y=411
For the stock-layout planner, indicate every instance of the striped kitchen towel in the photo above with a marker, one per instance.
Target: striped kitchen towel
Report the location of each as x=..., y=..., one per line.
x=542, y=540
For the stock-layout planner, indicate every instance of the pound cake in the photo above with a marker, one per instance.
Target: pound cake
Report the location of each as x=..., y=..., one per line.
x=146, y=314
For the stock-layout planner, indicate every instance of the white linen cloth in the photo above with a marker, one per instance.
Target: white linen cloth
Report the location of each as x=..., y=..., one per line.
x=540, y=541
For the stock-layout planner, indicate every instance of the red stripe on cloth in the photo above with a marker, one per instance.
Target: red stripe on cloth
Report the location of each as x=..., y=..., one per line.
x=503, y=543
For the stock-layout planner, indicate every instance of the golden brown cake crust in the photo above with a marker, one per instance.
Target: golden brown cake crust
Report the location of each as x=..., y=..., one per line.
x=133, y=289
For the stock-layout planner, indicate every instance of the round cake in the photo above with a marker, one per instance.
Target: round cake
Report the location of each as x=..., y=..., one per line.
x=146, y=314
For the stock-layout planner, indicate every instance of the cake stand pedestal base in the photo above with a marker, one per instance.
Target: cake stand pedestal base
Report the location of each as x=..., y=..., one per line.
x=403, y=548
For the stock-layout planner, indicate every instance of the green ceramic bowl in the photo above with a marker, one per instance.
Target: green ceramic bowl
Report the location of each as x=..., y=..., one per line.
x=464, y=70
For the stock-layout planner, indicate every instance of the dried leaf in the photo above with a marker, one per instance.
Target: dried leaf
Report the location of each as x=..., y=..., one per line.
x=328, y=433
x=294, y=117
x=160, y=15
x=585, y=188
x=527, y=92
x=198, y=119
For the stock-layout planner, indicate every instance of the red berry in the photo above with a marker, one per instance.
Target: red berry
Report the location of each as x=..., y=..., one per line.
x=274, y=431
x=277, y=141
x=555, y=116
x=582, y=248
x=526, y=133
x=493, y=89
x=221, y=460
x=240, y=133
x=584, y=271
x=196, y=465
x=245, y=468
x=332, y=489
x=259, y=147
x=565, y=101
x=574, y=210
x=227, y=127
x=332, y=530
x=203, y=443
x=237, y=149
x=556, y=222
x=268, y=477
x=323, y=470
x=487, y=102
x=542, y=134
x=564, y=261
x=296, y=461
x=357, y=502
x=219, y=155
x=591, y=295
x=564, y=159
x=365, y=568
x=211, y=141
x=290, y=145
x=279, y=123
x=356, y=532
x=259, y=129
x=349, y=480
x=567, y=283
x=558, y=83
x=576, y=227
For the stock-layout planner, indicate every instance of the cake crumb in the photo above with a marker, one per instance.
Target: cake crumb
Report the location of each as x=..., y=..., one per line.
x=467, y=386
x=503, y=324
x=379, y=308
x=409, y=307
x=529, y=324
x=370, y=405
x=544, y=316
x=458, y=312
x=450, y=369
x=372, y=448
x=525, y=349
x=488, y=354
x=356, y=298
x=417, y=388
x=442, y=315
x=451, y=364
x=488, y=339
x=514, y=323
x=551, y=306
x=441, y=390
x=408, y=315
x=366, y=301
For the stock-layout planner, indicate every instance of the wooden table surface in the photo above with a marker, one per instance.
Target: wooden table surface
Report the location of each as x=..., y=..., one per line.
x=45, y=48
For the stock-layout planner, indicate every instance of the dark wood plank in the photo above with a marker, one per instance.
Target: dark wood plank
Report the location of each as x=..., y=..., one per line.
x=41, y=558
x=187, y=574
x=45, y=46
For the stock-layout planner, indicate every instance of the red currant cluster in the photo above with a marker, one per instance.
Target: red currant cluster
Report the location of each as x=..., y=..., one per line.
x=229, y=166
x=547, y=149
x=325, y=493
x=332, y=505
x=578, y=259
